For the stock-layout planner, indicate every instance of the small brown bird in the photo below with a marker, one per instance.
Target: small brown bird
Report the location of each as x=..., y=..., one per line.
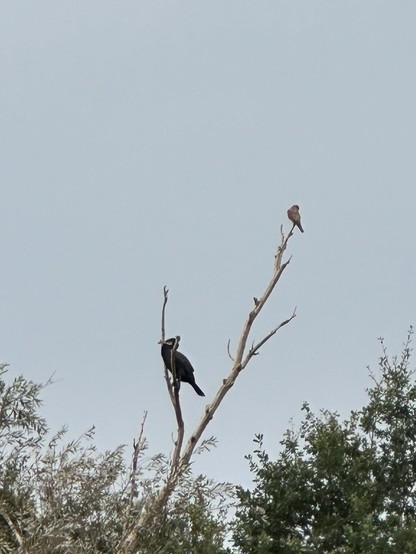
x=294, y=216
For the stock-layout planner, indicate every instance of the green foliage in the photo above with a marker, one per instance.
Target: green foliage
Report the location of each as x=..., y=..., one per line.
x=339, y=486
x=61, y=497
x=193, y=522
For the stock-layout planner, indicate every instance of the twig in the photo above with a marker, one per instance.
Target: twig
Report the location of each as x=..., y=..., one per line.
x=165, y=301
x=228, y=350
x=138, y=446
x=50, y=380
x=254, y=349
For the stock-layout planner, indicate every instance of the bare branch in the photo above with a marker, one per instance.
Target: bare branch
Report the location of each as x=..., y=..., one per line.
x=163, y=333
x=239, y=364
x=278, y=270
x=178, y=410
x=169, y=385
x=255, y=348
x=138, y=446
x=173, y=386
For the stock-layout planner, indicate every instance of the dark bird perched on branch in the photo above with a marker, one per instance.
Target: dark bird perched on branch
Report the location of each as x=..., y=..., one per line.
x=183, y=367
x=294, y=216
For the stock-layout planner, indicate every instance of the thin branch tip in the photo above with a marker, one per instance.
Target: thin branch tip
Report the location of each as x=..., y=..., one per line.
x=228, y=350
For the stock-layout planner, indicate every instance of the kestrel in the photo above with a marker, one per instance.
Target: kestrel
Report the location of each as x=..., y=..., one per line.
x=294, y=216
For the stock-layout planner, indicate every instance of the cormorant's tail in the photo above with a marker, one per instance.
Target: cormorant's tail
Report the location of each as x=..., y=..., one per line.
x=197, y=389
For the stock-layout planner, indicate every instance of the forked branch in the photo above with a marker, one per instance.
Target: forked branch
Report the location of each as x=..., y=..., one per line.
x=241, y=361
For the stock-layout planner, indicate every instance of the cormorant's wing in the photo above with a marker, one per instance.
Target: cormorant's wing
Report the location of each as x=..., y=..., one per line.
x=183, y=360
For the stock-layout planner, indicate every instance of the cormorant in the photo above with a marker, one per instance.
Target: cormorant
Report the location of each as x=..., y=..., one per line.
x=184, y=369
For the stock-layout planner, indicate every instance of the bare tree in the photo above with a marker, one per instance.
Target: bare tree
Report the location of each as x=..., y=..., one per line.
x=182, y=454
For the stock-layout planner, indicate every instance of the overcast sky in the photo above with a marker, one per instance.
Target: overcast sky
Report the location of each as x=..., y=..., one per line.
x=150, y=143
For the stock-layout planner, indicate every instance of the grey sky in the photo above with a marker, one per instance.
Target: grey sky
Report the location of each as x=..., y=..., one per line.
x=153, y=143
